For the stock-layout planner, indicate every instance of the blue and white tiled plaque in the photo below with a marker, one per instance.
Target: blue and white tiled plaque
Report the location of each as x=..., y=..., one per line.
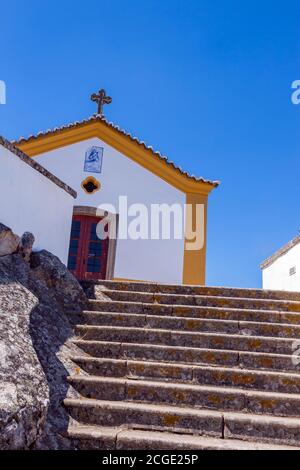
x=93, y=160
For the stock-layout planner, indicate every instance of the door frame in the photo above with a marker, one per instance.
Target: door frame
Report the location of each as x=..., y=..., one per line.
x=112, y=245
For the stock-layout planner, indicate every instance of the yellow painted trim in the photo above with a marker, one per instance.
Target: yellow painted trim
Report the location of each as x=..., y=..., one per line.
x=194, y=261
x=122, y=143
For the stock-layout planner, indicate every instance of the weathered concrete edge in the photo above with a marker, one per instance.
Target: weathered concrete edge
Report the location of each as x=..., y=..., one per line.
x=36, y=166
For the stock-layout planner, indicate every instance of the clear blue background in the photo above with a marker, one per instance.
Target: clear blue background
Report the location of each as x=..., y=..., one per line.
x=207, y=83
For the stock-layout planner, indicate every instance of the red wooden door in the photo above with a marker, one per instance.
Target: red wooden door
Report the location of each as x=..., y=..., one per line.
x=88, y=254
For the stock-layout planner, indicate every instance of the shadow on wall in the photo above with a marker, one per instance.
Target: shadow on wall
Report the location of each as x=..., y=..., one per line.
x=40, y=302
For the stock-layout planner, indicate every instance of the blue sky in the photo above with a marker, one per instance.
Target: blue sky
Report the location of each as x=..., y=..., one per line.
x=206, y=83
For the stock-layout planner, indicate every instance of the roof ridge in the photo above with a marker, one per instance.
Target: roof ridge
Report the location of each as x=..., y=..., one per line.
x=284, y=249
x=100, y=118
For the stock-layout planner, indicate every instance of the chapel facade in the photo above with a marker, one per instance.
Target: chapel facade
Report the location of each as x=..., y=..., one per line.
x=120, y=182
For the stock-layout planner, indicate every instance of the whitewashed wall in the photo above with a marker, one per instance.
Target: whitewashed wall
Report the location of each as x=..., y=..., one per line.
x=31, y=202
x=148, y=260
x=276, y=276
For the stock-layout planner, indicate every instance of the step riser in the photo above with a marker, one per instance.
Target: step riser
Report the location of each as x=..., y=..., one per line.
x=267, y=432
x=196, y=340
x=193, y=375
x=247, y=380
x=142, y=321
x=211, y=425
x=187, y=355
x=124, y=307
x=246, y=430
x=145, y=444
x=134, y=369
x=194, y=290
x=172, y=323
x=194, y=312
x=103, y=443
x=203, y=301
x=127, y=443
x=177, y=395
x=235, y=315
x=154, y=353
x=268, y=362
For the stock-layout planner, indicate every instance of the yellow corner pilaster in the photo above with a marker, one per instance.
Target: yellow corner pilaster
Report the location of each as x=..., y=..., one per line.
x=194, y=262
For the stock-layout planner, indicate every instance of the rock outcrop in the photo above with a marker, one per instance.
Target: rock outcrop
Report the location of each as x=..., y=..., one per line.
x=26, y=245
x=39, y=303
x=24, y=392
x=9, y=242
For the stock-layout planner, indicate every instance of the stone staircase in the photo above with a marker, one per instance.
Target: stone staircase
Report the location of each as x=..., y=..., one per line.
x=181, y=367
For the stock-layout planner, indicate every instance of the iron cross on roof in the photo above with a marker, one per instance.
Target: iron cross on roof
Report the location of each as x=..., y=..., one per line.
x=100, y=98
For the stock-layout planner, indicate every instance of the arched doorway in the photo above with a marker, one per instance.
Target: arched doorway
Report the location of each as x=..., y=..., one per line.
x=90, y=258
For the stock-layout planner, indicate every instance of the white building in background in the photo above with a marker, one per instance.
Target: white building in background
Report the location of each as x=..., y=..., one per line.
x=34, y=200
x=281, y=271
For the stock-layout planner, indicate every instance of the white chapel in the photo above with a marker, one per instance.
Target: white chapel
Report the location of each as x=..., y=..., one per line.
x=105, y=166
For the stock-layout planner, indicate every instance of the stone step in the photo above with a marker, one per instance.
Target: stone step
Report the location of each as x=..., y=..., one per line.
x=270, y=429
x=158, y=417
x=199, y=396
x=194, y=290
x=177, y=354
x=106, y=438
x=211, y=313
x=167, y=367
x=190, y=339
x=155, y=418
x=187, y=355
x=203, y=300
x=191, y=324
x=202, y=375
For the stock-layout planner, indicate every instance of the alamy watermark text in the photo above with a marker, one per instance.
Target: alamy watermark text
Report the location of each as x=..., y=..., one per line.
x=153, y=222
